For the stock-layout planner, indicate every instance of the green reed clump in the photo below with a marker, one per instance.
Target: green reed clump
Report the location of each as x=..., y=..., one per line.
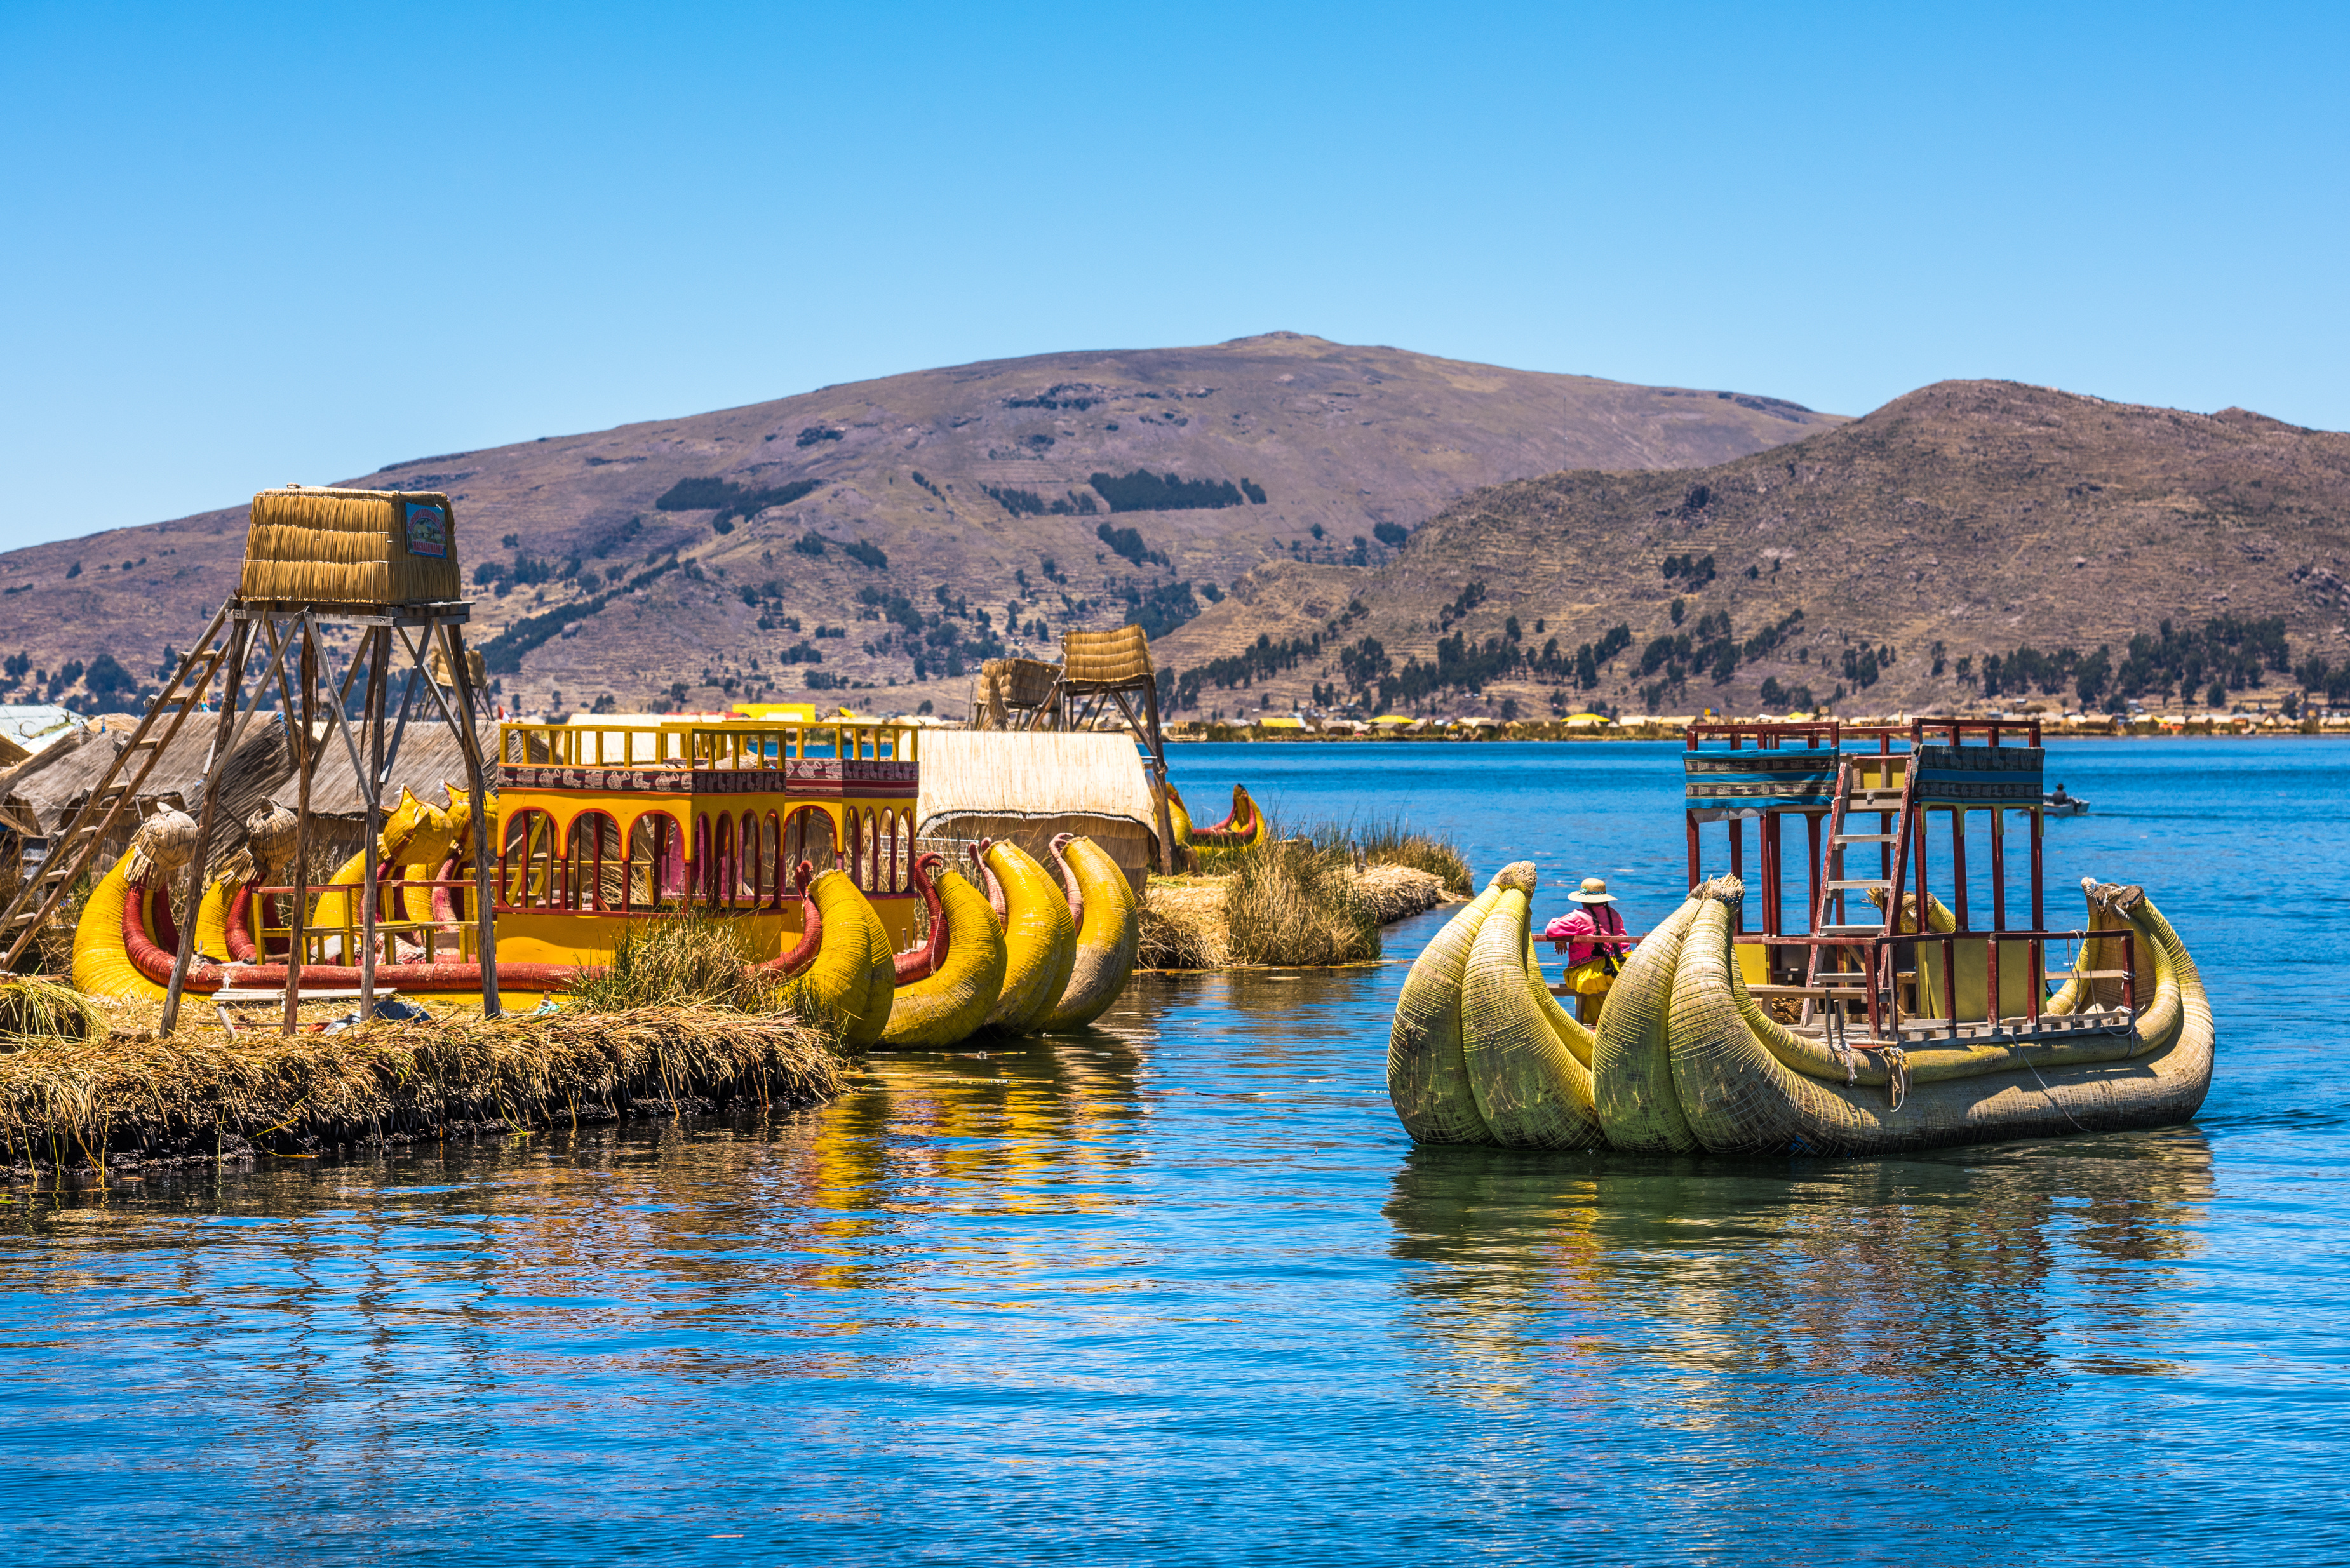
x=1392, y=842
x=680, y=961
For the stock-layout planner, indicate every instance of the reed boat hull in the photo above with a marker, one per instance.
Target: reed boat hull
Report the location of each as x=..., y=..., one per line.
x=1479, y=1051
x=1686, y=1061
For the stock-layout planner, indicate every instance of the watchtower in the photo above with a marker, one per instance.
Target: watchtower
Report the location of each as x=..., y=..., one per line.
x=383, y=563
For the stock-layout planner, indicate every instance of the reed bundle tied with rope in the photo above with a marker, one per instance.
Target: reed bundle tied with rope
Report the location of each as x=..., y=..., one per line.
x=68, y=1102
x=350, y=547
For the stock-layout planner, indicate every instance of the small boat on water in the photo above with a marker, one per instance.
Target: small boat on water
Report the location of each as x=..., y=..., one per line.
x=1243, y=828
x=2056, y=803
x=1892, y=1020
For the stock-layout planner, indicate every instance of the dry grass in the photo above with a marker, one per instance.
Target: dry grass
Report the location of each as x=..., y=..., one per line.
x=1392, y=842
x=202, y=1093
x=1294, y=903
x=33, y=1009
x=1183, y=924
x=680, y=961
x=1296, y=900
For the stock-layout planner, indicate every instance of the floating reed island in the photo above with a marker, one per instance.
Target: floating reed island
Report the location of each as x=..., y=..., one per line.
x=1314, y=898
x=88, y=1087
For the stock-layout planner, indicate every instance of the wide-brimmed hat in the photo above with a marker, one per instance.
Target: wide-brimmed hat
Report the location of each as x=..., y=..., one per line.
x=1593, y=891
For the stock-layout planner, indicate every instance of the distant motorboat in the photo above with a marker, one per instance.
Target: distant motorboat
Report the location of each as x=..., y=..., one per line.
x=2056, y=803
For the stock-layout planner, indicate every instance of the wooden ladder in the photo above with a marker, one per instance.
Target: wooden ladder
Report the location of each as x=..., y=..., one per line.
x=1864, y=784
x=69, y=853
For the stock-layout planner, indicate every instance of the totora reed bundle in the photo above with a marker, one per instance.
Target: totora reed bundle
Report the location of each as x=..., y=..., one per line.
x=70, y=1103
x=350, y=547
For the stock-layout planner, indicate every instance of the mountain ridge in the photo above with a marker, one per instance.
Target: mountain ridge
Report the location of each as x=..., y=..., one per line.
x=1986, y=516
x=966, y=480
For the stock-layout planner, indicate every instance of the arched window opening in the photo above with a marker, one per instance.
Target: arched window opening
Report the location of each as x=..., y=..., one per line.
x=808, y=836
x=724, y=865
x=656, y=864
x=527, y=860
x=594, y=869
x=771, y=879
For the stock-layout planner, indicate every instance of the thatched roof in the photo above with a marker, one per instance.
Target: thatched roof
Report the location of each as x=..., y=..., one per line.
x=46, y=790
x=429, y=758
x=1109, y=658
x=1031, y=773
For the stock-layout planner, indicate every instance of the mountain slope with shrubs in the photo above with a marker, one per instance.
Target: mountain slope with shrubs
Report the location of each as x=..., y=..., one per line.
x=886, y=534
x=1970, y=543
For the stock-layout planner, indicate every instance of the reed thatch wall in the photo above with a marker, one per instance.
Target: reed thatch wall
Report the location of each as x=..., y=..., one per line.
x=349, y=547
x=1026, y=786
x=430, y=758
x=47, y=789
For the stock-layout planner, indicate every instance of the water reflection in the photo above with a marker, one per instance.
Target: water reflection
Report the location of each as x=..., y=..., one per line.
x=1900, y=1305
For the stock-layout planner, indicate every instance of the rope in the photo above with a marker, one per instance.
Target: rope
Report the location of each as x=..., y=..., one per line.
x=1897, y=1074
x=2052, y=1096
x=1841, y=1046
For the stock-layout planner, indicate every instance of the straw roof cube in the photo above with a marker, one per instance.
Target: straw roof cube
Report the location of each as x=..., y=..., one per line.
x=350, y=547
x=1104, y=658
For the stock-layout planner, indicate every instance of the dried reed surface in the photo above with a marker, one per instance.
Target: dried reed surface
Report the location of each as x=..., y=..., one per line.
x=1183, y=924
x=202, y=1095
x=1398, y=892
x=1297, y=899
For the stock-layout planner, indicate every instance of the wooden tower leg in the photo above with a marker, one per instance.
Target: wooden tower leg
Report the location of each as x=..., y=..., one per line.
x=306, y=755
x=1158, y=766
x=379, y=657
x=231, y=684
x=477, y=782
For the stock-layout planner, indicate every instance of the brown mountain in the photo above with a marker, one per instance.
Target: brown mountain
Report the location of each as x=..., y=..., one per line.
x=1976, y=517
x=728, y=544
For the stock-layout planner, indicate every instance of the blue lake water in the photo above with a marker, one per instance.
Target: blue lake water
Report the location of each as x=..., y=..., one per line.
x=1182, y=1292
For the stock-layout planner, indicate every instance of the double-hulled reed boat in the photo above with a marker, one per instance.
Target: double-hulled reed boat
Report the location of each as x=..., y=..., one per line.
x=1893, y=1019
x=800, y=837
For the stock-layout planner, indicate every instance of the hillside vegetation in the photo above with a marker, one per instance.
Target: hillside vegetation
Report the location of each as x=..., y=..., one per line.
x=1972, y=542
x=889, y=534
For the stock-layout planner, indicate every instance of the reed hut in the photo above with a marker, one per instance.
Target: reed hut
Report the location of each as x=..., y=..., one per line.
x=1027, y=785
x=44, y=791
x=430, y=763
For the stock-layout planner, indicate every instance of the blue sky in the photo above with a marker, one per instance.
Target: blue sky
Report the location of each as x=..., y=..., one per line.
x=249, y=244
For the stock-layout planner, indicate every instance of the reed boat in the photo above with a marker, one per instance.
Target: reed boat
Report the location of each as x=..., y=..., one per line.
x=1243, y=828
x=1891, y=1018
x=800, y=835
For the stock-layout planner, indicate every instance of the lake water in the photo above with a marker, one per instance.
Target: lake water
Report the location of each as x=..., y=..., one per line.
x=1182, y=1292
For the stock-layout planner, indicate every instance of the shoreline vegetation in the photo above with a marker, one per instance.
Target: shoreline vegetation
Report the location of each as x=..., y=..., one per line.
x=1311, y=898
x=1285, y=729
